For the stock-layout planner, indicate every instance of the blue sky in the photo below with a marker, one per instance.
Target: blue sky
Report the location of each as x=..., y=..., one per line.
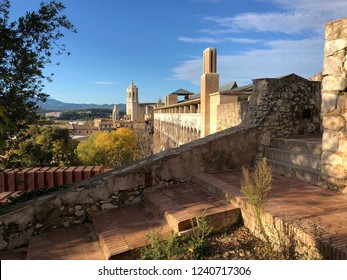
x=159, y=44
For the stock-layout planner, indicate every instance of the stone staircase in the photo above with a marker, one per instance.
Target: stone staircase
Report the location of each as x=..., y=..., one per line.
x=298, y=158
x=120, y=232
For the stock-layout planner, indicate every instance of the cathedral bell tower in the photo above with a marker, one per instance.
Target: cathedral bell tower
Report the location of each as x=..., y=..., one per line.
x=132, y=106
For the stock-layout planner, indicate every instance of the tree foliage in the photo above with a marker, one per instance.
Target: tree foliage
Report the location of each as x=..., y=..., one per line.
x=5, y=126
x=43, y=146
x=86, y=114
x=27, y=46
x=111, y=149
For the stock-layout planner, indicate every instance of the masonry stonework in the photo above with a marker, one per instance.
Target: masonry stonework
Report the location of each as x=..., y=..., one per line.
x=231, y=114
x=124, y=186
x=334, y=104
x=288, y=105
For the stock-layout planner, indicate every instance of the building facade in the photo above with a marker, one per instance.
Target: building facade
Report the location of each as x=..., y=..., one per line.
x=292, y=101
x=136, y=111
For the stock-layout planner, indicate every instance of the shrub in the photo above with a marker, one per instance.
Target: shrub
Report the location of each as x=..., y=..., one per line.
x=192, y=246
x=256, y=187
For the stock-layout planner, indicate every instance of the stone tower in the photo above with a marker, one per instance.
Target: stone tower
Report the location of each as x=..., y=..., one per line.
x=115, y=113
x=209, y=83
x=132, y=106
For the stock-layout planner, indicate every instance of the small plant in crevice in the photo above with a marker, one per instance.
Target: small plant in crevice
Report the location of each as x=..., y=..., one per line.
x=160, y=249
x=286, y=243
x=192, y=246
x=323, y=235
x=256, y=187
x=198, y=243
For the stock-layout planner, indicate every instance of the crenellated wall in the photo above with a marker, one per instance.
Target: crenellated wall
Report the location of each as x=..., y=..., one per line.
x=334, y=104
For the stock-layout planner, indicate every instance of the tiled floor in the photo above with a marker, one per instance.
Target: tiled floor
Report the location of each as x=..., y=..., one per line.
x=75, y=243
x=123, y=229
x=297, y=201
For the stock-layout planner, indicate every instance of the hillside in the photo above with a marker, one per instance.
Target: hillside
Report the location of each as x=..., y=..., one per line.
x=56, y=105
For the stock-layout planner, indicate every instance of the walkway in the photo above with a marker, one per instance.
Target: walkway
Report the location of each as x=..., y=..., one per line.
x=294, y=202
x=290, y=200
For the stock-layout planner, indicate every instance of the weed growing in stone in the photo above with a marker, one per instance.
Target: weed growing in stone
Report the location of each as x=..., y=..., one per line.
x=192, y=246
x=256, y=187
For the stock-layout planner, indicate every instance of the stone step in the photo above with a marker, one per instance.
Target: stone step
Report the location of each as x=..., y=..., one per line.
x=123, y=230
x=307, y=160
x=78, y=242
x=181, y=204
x=295, y=171
x=303, y=146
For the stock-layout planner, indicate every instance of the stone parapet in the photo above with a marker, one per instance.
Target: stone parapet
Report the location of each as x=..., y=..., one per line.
x=123, y=186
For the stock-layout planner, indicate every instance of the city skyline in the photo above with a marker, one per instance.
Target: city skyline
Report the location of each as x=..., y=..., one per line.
x=159, y=44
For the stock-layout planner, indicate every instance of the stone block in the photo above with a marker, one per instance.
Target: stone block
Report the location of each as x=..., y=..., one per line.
x=343, y=146
x=337, y=82
x=330, y=141
x=108, y=206
x=332, y=65
x=333, y=122
x=331, y=158
x=333, y=46
x=333, y=171
x=336, y=29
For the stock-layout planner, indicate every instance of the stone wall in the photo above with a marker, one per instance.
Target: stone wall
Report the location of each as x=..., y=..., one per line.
x=289, y=105
x=124, y=186
x=334, y=104
x=231, y=114
x=173, y=130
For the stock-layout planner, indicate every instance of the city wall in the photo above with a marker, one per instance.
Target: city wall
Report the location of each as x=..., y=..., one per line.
x=124, y=186
x=334, y=104
x=289, y=105
x=173, y=129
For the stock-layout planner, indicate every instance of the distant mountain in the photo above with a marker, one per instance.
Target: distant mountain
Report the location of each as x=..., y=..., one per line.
x=55, y=105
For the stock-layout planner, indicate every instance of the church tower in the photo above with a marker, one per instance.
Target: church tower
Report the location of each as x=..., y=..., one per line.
x=115, y=113
x=132, y=106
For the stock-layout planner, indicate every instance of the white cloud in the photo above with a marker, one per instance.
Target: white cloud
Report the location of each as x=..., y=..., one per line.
x=293, y=17
x=333, y=7
x=105, y=83
x=210, y=40
x=189, y=70
x=303, y=57
x=287, y=23
x=300, y=22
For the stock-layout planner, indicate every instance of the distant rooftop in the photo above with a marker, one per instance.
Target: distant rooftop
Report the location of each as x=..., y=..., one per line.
x=182, y=92
x=227, y=86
